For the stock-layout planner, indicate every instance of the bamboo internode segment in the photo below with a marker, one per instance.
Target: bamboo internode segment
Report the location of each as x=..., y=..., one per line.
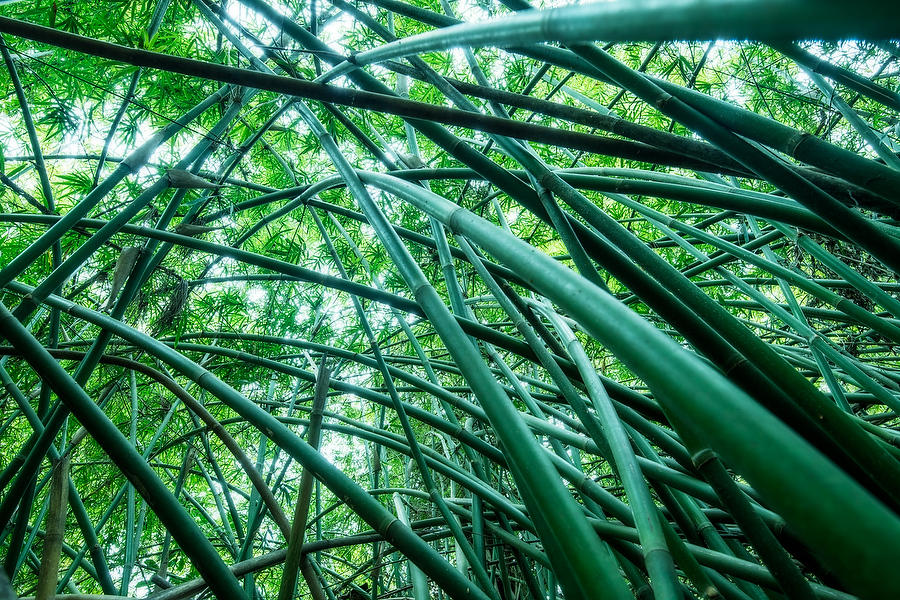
x=480, y=300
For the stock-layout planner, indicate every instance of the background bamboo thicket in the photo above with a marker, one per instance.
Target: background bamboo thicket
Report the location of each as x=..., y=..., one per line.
x=457, y=299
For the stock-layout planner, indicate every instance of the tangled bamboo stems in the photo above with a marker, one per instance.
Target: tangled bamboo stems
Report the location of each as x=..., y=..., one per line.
x=384, y=300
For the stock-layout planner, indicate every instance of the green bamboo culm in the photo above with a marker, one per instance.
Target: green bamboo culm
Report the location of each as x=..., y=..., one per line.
x=489, y=300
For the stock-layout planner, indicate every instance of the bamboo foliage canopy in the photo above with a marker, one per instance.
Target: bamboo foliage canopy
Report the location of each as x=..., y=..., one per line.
x=422, y=299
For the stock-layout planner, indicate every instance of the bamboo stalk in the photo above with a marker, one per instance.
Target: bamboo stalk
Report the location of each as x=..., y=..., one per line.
x=54, y=531
x=301, y=508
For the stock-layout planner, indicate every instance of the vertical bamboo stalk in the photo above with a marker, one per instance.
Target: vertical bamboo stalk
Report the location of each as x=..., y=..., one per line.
x=294, y=558
x=54, y=531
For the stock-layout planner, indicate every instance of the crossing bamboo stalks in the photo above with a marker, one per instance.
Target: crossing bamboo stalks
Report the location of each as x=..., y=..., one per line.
x=607, y=295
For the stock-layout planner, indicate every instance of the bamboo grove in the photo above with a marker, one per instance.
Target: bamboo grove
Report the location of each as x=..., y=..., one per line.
x=383, y=299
